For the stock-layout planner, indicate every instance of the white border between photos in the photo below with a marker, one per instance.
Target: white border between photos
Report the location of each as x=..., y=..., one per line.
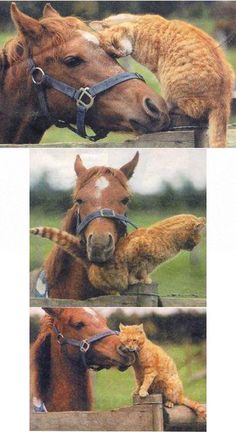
x=14, y=244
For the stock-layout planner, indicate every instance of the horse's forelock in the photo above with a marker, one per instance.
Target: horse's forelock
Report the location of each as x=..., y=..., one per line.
x=95, y=172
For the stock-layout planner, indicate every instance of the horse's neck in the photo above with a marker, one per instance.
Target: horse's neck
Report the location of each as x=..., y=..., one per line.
x=19, y=123
x=67, y=277
x=70, y=387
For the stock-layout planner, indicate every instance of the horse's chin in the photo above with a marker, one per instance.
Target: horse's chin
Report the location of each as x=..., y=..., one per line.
x=123, y=368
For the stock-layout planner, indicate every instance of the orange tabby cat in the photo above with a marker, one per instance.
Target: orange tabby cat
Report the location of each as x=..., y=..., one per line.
x=192, y=69
x=137, y=254
x=155, y=371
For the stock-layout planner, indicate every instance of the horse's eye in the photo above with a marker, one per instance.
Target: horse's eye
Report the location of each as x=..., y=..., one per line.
x=79, y=201
x=72, y=61
x=79, y=325
x=125, y=201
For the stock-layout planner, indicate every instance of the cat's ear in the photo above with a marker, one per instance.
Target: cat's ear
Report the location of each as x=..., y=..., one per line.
x=140, y=327
x=200, y=224
x=121, y=326
x=98, y=25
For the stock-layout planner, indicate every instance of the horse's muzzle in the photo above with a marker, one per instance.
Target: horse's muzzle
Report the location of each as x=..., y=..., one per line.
x=128, y=358
x=100, y=249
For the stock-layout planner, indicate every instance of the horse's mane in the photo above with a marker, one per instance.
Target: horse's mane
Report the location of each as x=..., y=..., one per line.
x=57, y=263
x=40, y=359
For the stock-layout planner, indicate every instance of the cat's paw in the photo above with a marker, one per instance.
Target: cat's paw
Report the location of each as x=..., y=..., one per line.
x=143, y=393
x=169, y=404
x=201, y=412
x=148, y=280
x=136, y=392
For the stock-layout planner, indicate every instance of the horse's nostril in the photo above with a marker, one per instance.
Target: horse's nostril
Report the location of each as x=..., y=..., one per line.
x=110, y=241
x=89, y=240
x=151, y=108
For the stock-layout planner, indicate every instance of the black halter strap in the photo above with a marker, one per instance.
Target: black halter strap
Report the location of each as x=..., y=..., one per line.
x=103, y=213
x=83, y=345
x=84, y=97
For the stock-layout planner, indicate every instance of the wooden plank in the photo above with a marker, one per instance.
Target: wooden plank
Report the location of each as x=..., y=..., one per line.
x=111, y=300
x=136, y=418
x=116, y=301
x=168, y=139
x=181, y=418
x=183, y=302
x=156, y=402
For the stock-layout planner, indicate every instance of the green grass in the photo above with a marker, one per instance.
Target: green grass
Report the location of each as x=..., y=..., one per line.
x=113, y=389
x=178, y=277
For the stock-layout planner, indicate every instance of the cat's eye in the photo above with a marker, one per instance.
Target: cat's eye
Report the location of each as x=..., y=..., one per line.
x=72, y=61
x=125, y=200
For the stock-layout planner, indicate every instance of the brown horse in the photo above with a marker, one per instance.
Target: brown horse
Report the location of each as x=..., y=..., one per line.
x=60, y=376
x=97, y=188
x=66, y=50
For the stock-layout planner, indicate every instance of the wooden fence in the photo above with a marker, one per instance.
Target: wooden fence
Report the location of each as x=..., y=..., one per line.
x=136, y=295
x=147, y=414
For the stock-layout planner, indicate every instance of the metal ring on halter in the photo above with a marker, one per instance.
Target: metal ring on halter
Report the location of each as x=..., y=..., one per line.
x=84, y=346
x=60, y=338
x=84, y=91
x=38, y=69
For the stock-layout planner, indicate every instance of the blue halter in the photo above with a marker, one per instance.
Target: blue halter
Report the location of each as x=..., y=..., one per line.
x=84, y=97
x=83, y=345
x=103, y=213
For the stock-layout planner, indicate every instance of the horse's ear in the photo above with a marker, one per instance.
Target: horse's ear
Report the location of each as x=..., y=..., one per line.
x=79, y=166
x=29, y=27
x=128, y=169
x=53, y=312
x=49, y=11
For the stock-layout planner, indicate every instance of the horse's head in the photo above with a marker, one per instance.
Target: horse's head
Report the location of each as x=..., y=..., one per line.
x=102, y=188
x=81, y=324
x=66, y=49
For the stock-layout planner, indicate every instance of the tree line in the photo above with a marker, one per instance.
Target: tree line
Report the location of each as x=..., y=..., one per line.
x=178, y=327
x=187, y=196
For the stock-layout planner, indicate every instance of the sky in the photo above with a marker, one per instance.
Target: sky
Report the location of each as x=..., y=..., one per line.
x=154, y=167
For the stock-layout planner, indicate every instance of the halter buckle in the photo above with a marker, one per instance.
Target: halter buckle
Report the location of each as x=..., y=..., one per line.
x=34, y=72
x=84, y=346
x=84, y=91
x=106, y=212
x=60, y=338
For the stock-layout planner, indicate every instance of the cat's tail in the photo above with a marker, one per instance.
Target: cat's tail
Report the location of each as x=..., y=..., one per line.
x=198, y=408
x=66, y=241
x=218, y=120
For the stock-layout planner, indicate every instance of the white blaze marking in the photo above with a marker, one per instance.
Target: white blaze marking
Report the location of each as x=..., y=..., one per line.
x=126, y=46
x=89, y=37
x=100, y=184
x=91, y=312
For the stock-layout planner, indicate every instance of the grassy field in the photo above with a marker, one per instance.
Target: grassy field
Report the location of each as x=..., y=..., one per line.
x=113, y=389
x=179, y=276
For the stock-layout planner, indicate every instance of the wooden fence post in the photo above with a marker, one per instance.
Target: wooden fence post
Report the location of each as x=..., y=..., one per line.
x=156, y=402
